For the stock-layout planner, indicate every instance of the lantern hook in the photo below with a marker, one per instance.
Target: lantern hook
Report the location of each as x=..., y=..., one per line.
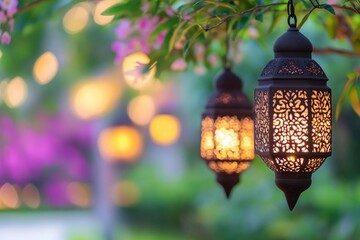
x=292, y=20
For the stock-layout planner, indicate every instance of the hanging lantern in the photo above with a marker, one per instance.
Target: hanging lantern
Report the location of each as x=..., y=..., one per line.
x=227, y=131
x=293, y=114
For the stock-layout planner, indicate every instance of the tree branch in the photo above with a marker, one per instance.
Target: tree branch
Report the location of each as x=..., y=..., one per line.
x=330, y=50
x=250, y=10
x=346, y=8
x=29, y=6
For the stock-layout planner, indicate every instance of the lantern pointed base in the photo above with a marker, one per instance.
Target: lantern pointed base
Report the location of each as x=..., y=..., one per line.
x=227, y=181
x=292, y=184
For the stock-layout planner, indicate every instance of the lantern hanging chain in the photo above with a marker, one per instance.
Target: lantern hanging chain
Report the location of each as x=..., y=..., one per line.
x=292, y=20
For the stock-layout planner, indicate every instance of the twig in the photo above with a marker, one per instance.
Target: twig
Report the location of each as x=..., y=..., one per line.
x=254, y=9
x=330, y=50
x=29, y=6
x=346, y=8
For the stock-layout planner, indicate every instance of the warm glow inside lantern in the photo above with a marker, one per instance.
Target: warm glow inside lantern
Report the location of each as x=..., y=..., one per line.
x=293, y=115
x=227, y=131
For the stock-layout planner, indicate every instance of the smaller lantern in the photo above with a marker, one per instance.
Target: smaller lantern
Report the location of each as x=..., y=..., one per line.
x=227, y=131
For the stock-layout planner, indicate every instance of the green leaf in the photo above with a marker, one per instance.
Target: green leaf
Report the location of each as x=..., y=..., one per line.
x=259, y=16
x=162, y=27
x=149, y=66
x=355, y=40
x=348, y=85
x=154, y=7
x=305, y=18
x=328, y=8
x=354, y=100
x=275, y=20
x=123, y=7
x=306, y=4
x=241, y=22
x=176, y=36
x=191, y=41
x=331, y=26
x=167, y=40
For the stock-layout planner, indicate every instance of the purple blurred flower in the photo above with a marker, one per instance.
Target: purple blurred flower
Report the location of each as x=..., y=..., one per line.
x=56, y=193
x=9, y=5
x=178, y=65
x=124, y=29
x=6, y=38
x=132, y=38
x=28, y=151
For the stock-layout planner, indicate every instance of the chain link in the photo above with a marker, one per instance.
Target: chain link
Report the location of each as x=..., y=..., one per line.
x=292, y=20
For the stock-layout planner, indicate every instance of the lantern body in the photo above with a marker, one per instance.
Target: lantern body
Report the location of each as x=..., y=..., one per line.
x=227, y=131
x=293, y=114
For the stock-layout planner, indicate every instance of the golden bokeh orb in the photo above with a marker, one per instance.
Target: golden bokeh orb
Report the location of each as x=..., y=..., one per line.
x=120, y=144
x=164, y=129
x=76, y=19
x=45, y=68
x=141, y=109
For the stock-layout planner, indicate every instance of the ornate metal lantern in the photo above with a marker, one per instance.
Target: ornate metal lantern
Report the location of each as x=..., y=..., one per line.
x=227, y=131
x=293, y=114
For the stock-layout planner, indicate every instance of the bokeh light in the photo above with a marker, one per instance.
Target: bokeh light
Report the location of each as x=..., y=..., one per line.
x=16, y=92
x=132, y=69
x=164, y=129
x=45, y=68
x=100, y=8
x=76, y=19
x=79, y=194
x=94, y=98
x=125, y=193
x=9, y=196
x=121, y=143
x=30, y=196
x=141, y=110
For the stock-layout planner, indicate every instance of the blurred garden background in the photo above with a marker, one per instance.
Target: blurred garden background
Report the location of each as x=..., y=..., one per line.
x=93, y=148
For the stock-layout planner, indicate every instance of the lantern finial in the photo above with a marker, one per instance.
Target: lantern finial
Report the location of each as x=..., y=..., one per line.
x=227, y=181
x=292, y=184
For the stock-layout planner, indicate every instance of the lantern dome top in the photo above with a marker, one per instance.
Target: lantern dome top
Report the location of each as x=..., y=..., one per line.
x=293, y=44
x=227, y=80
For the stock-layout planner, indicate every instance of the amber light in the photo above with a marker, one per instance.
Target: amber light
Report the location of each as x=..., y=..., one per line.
x=227, y=131
x=120, y=144
x=293, y=115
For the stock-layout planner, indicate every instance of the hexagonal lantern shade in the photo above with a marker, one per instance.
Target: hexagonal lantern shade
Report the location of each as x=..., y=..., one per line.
x=227, y=131
x=293, y=115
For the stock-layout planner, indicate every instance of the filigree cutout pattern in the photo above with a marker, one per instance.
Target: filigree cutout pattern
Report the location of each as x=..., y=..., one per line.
x=269, y=69
x=290, y=121
x=227, y=138
x=314, y=68
x=207, y=138
x=314, y=164
x=228, y=98
x=289, y=164
x=262, y=122
x=290, y=67
x=298, y=67
x=228, y=167
x=293, y=164
x=321, y=121
x=269, y=162
x=225, y=98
